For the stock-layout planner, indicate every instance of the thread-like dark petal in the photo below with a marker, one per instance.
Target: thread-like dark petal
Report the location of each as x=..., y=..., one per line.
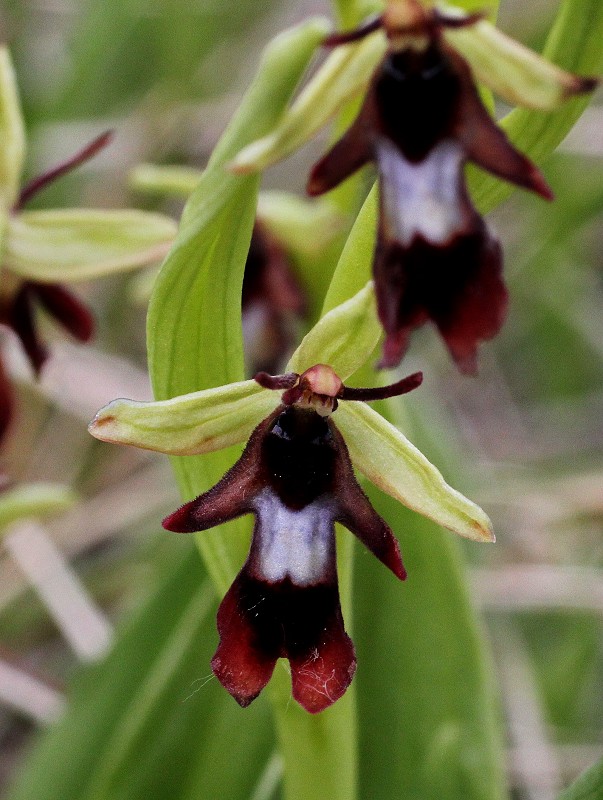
x=367, y=27
x=41, y=181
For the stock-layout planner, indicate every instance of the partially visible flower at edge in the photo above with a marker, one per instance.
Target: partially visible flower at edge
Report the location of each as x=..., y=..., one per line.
x=421, y=121
x=295, y=475
x=41, y=250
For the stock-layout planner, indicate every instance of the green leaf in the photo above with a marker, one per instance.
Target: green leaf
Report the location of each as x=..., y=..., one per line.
x=200, y=422
x=392, y=463
x=12, y=134
x=589, y=786
x=429, y=725
x=343, y=339
x=80, y=244
x=345, y=74
x=195, y=310
x=146, y=724
x=34, y=500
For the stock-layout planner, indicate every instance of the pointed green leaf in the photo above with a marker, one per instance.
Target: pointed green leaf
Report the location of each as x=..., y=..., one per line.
x=12, y=133
x=34, y=500
x=200, y=422
x=344, y=338
x=80, y=244
x=392, y=463
x=346, y=73
x=165, y=180
x=147, y=721
x=516, y=73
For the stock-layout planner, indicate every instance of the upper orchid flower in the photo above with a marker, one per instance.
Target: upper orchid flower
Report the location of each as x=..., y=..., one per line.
x=295, y=475
x=39, y=250
x=421, y=121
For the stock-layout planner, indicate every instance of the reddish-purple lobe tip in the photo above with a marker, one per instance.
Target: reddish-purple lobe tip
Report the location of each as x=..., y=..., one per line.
x=180, y=521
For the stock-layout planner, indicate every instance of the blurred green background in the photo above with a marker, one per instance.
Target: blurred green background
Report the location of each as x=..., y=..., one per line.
x=524, y=439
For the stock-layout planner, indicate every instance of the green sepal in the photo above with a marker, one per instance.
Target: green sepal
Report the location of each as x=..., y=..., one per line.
x=344, y=339
x=79, y=244
x=12, y=134
x=199, y=422
x=516, y=73
x=391, y=462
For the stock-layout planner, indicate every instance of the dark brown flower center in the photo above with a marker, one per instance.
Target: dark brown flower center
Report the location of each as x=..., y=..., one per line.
x=299, y=456
x=417, y=94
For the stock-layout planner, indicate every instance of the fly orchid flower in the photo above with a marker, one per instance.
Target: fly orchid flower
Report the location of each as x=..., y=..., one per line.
x=296, y=476
x=421, y=121
x=41, y=250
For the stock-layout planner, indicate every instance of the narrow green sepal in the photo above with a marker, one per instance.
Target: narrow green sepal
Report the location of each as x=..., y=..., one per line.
x=34, y=500
x=12, y=134
x=79, y=244
x=345, y=73
x=199, y=422
x=391, y=462
x=516, y=73
x=345, y=338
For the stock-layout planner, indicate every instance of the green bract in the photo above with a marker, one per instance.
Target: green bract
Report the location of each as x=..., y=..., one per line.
x=344, y=338
x=300, y=225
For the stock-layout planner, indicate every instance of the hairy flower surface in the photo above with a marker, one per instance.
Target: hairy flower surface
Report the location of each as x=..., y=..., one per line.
x=296, y=477
x=421, y=121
